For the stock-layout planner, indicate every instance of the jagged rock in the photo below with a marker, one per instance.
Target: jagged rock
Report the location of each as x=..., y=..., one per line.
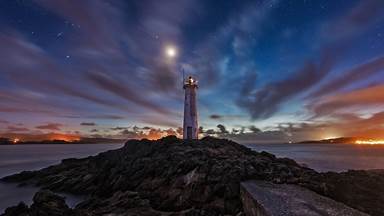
x=20, y=210
x=172, y=177
x=45, y=203
x=360, y=189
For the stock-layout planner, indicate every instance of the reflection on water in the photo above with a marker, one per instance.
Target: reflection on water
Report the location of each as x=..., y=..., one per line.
x=17, y=158
x=329, y=156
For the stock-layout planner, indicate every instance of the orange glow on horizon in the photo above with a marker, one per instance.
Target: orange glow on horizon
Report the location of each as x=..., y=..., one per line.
x=64, y=137
x=370, y=142
x=18, y=137
x=330, y=137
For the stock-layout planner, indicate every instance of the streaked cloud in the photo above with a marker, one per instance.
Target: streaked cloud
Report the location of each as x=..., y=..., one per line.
x=88, y=124
x=267, y=71
x=50, y=126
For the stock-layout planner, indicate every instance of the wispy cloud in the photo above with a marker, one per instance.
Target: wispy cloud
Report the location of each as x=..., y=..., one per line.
x=88, y=124
x=3, y=121
x=50, y=126
x=355, y=75
x=107, y=83
x=361, y=98
x=264, y=102
x=14, y=129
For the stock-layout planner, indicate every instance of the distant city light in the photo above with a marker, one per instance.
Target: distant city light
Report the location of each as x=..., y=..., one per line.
x=16, y=140
x=370, y=142
x=329, y=138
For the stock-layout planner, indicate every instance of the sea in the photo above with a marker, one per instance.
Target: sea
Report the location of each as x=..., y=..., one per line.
x=321, y=157
x=17, y=158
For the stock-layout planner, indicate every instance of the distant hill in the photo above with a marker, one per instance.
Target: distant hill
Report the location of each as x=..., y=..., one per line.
x=5, y=141
x=345, y=140
x=84, y=140
x=87, y=140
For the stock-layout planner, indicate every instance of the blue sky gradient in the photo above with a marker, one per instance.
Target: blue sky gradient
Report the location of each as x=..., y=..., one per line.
x=294, y=69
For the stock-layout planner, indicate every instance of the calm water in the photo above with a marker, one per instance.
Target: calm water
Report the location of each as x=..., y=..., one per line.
x=329, y=157
x=322, y=157
x=16, y=158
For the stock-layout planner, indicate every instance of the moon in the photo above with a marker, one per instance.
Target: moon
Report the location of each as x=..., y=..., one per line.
x=171, y=51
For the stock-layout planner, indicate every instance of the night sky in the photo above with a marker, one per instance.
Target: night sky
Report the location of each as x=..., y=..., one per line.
x=268, y=71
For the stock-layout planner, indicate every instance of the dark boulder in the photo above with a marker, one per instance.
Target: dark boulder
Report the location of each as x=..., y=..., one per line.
x=45, y=203
x=20, y=210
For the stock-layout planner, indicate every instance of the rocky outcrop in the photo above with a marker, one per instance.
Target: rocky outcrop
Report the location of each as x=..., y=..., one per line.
x=172, y=177
x=360, y=189
x=19, y=210
x=45, y=203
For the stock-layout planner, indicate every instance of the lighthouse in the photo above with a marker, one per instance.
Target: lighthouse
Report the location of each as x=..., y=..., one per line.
x=190, y=125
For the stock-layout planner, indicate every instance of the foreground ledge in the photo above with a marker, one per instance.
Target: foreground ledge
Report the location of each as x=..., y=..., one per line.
x=262, y=198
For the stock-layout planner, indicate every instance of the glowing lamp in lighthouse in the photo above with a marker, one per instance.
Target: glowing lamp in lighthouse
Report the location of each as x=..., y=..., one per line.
x=190, y=125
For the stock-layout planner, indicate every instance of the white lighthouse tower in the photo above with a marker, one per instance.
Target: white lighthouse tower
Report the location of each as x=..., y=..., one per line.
x=190, y=126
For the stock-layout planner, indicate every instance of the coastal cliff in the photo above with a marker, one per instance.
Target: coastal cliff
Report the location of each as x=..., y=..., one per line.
x=170, y=176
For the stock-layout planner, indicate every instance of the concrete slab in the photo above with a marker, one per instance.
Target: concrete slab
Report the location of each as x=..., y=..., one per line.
x=267, y=199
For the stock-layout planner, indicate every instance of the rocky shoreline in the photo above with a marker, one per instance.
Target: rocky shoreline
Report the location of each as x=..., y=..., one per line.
x=176, y=177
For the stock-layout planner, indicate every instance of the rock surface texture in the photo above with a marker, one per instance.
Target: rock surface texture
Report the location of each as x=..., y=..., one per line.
x=176, y=177
x=45, y=203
